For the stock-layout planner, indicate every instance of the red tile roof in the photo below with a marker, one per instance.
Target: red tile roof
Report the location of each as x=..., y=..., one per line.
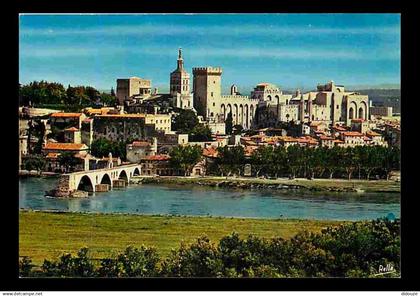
x=72, y=129
x=63, y=114
x=140, y=143
x=372, y=134
x=352, y=134
x=158, y=157
x=64, y=146
x=122, y=115
x=52, y=155
x=210, y=152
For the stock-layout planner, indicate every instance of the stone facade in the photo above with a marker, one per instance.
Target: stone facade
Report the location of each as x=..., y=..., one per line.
x=122, y=127
x=330, y=104
x=129, y=87
x=215, y=107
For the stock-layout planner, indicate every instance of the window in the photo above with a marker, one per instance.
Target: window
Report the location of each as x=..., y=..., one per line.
x=214, y=104
x=338, y=106
x=211, y=93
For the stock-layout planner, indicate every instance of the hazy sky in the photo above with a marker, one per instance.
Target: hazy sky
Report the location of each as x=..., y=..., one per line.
x=290, y=50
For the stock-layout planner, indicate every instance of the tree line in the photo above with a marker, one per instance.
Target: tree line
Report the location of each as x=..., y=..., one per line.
x=353, y=249
x=306, y=162
x=51, y=94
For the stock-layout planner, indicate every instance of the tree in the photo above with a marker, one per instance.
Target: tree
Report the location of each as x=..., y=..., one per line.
x=101, y=147
x=67, y=160
x=34, y=162
x=261, y=160
x=230, y=159
x=200, y=133
x=185, y=121
x=185, y=157
x=113, y=92
x=229, y=123
x=237, y=129
x=36, y=129
x=108, y=99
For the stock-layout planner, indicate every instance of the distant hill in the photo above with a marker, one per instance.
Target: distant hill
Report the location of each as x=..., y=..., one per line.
x=384, y=97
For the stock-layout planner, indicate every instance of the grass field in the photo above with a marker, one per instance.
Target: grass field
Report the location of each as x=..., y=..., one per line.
x=46, y=235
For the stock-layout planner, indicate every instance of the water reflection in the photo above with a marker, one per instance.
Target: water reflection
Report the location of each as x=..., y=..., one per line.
x=183, y=200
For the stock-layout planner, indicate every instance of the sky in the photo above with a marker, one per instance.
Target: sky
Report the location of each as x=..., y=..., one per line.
x=289, y=50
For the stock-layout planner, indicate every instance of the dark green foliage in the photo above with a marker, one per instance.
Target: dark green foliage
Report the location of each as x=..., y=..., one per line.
x=354, y=249
x=200, y=259
x=185, y=157
x=34, y=162
x=102, y=147
x=50, y=94
x=200, y=133
x=185, y=121
x=68, y=266
x=308, y=162
x=132, y=263
x=230, y=160
x=25, y=267
x=237, y=129
x=229, y=123
x=67, y=160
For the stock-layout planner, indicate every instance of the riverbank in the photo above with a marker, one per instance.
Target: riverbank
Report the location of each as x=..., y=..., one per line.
x=333, y=185
x=46, y=235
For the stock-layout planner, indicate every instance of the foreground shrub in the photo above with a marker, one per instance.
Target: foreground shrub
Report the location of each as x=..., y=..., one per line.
x=68, y=266
x=132, y=263
x=200, y=259
x=25, y=267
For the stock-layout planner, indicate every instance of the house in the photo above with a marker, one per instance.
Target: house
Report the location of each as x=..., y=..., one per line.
x=138, y=150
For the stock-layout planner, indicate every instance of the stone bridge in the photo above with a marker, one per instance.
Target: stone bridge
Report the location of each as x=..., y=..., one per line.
x=92, y=180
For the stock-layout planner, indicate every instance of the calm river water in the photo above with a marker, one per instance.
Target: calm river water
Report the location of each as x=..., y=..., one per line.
x=202, y=201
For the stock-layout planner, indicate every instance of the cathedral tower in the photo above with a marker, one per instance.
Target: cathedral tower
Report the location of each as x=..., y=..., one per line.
x=180, y=79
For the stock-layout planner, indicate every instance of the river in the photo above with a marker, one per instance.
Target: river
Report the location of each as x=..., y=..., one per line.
x=203, y=201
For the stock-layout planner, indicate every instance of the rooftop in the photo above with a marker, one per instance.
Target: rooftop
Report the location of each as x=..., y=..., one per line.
x=64, y=146
x=63, y=114
x=158, y=157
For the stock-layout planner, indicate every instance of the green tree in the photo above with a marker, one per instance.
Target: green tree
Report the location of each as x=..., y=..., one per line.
x=185, y=157
x=133, y=262
x=229, y=123
x=67, y=160
x=230, y=159
x=237, y=129
x=34, y=162
x=185, y=121
x=200, y=133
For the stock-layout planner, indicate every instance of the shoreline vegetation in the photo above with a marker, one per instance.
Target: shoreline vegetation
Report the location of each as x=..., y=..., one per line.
x=332, y=185
x=121, y=245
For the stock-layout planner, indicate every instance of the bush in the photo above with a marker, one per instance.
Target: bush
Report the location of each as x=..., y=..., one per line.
x=25, y=267
x=69, y=266
x=200, y=259
x=132, y=263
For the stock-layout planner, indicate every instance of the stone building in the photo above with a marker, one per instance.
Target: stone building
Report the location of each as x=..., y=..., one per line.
x=122, y=127
x=330, y=104
x=138, y=150
x=129, y=87
x=180, y=85
x=215, y=107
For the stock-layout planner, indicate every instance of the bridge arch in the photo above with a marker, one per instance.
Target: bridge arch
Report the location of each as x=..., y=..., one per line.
x=123, y=176
x=86, y=184
x=106, y=179
x=136, y=172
